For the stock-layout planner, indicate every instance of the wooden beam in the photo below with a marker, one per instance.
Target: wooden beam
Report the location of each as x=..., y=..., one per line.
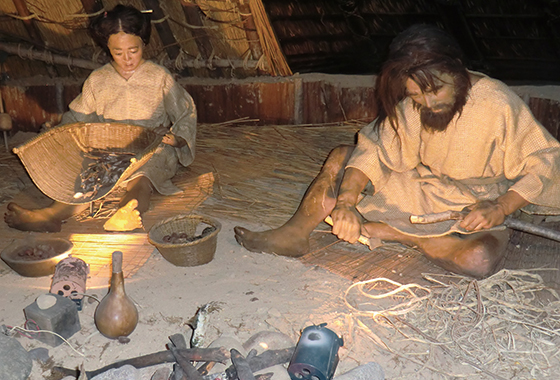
x=85, y=64
x=48, y=57
x=164, y=30
x=193, y=15
x=92, y=6
x=32, y=30
x=250, y=30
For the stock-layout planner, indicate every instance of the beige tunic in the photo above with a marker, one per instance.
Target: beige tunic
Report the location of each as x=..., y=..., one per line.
x=495, y=145
x=150, y=98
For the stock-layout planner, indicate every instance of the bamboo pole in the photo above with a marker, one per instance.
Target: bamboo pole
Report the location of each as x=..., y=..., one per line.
x=48, y=57
x=45, y=56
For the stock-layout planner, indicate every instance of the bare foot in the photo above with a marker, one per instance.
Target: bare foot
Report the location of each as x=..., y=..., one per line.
x=126, y=218
x=279, y=241
x=39, y=220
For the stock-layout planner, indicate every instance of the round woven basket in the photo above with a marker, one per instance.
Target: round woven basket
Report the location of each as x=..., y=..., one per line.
x=197, y=252
x=56, y=158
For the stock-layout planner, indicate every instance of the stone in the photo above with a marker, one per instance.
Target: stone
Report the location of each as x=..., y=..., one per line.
x=15, y=362
x=368, y=371
x=61, y=318
x=40, y=354
x=126, y=372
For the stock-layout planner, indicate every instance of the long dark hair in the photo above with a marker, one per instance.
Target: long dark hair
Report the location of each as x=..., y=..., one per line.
x=122, y=18
x=418, y=53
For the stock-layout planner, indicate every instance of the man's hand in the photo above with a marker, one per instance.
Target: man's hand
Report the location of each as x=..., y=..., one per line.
x=484, y=214
x=488, y=214
x=347, y=223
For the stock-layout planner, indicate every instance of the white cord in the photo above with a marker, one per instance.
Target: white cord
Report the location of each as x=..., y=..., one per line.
x=50, y=332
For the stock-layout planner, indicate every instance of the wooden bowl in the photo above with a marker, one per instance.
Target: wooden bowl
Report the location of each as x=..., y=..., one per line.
x=36, y=257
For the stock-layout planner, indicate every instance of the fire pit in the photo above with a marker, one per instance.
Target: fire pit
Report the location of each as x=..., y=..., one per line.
x=36, y=257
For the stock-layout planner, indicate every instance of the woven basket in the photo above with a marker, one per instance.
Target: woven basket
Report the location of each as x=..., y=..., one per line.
x=55, y=159
x=197, y=252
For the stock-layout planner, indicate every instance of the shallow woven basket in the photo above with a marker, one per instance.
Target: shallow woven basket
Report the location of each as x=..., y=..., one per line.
x=197, y=252
x=56, y=158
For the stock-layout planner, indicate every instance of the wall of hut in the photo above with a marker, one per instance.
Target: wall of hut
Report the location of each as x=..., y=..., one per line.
x=259, y=60
x=298, y=99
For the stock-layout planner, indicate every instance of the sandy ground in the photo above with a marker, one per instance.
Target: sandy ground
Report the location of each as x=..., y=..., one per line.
x=252, y=292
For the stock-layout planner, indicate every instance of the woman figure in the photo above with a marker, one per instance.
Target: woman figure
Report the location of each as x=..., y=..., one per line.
x=130, y=90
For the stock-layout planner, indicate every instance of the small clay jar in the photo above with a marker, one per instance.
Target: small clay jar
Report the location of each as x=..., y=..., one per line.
x=116, y=316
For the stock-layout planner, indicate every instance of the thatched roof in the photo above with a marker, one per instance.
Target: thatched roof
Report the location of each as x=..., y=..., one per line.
x=514, y=39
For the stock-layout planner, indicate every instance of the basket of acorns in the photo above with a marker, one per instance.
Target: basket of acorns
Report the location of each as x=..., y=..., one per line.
x=186, y=240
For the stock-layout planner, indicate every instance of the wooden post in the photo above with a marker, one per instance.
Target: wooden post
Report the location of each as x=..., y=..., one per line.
x=92, y=6
x=250, y=29
x=164, y=30
x=194, y=15
x=30, y=26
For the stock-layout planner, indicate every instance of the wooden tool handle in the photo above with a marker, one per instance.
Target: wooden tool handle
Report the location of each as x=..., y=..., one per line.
x=362, y=239
x=437, y=217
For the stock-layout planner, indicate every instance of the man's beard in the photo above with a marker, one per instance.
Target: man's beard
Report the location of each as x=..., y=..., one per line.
x=438, y=121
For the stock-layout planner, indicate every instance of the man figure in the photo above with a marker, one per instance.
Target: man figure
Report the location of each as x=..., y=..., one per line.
x=444, y=139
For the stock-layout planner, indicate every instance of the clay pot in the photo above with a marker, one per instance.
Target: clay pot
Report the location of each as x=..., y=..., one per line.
x=116, y=315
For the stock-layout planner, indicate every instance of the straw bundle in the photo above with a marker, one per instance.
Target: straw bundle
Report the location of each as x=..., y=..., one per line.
x=503, y=327
x=269, y=43
x=224, y=27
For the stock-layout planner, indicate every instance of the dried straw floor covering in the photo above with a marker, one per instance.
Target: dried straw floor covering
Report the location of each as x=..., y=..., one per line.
x=255, y=175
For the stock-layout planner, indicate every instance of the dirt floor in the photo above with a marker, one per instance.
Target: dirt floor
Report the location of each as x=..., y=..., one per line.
x=250, y=293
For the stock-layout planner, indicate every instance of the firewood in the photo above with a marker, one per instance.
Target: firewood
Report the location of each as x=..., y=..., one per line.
x=190, y=373
x=267, y=359
x=218, y=354
x=241, y=365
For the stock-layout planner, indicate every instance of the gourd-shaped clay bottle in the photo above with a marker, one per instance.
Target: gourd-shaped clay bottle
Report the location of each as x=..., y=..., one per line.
x=116, y=314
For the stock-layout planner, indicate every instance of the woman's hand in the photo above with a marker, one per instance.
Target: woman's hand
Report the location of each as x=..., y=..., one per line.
x=174, y=140
x=347, y=223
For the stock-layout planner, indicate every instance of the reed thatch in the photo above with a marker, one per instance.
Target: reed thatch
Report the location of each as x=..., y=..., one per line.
x=198, y=37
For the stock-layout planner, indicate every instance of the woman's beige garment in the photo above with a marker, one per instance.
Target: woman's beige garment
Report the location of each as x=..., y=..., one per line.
x=493, y=146
x=149, y=98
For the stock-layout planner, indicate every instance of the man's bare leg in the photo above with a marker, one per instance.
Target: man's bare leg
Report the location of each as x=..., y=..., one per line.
x=134, y=203
x=292, y=239
x=48, y=219
x=476, y=255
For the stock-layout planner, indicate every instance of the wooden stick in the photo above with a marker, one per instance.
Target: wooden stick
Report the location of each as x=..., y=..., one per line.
x=218, y=354
x=267, y=359
x=437, y=217
x=190, y=372
x=509, y=222
x=242, y=367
